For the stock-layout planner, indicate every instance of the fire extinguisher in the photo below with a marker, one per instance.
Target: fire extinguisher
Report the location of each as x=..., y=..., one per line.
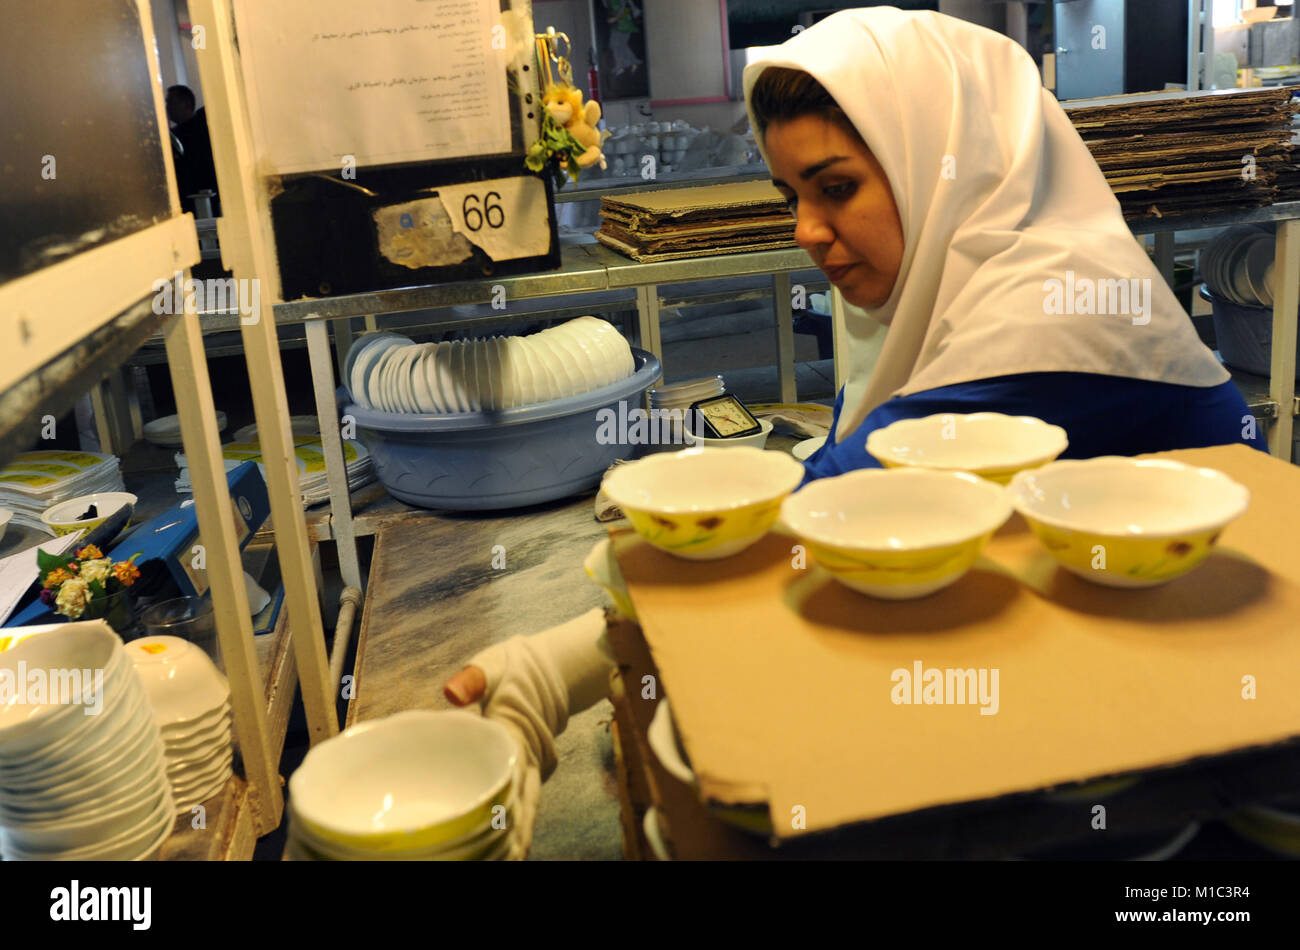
x=593, y=78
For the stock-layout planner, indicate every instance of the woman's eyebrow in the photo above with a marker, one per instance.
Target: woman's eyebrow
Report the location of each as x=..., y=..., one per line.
x=814, y=169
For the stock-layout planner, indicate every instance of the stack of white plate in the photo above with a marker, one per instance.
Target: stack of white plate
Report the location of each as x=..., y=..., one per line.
x=417, y=786
x=82, y=772
x=309, y=453
x=35, y=481
x=388, y=372
x=682, y=395
x=166, y=431
x=1238, y=265
x=191, y=706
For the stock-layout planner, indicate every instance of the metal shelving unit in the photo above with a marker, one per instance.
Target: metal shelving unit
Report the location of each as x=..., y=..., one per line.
x=60, y=340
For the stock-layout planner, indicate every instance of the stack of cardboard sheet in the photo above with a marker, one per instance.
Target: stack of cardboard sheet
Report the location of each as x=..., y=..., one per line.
x=696, y=222
x=1176, y=153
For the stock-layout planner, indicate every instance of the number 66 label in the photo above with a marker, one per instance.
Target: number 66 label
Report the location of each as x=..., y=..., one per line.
x=506, y=217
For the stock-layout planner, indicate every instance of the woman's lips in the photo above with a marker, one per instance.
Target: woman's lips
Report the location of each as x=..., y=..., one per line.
x=838, y=273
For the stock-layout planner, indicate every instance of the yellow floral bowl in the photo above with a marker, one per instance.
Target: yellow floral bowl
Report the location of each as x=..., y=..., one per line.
x=989, y=444
x=416, y=781
x=704, y=503
x=65, y=517
x=1124, y=522
x=897, y=534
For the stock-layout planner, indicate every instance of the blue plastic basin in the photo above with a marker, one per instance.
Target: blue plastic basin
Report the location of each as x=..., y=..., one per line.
x=477, y=461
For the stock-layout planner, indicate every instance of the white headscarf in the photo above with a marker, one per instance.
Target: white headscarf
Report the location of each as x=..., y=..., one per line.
x=998, y=195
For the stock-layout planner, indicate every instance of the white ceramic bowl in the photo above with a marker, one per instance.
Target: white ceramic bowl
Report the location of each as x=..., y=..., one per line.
x=126, y=779
x=64, y=518
x=90, y=827
x=27, y=727
x=991, y=445
x=131, y=844
x=415, y=779
x=478, y=844
x=183, y=684
x=704, y=504
x=77, y=746
x=213, y=736
x=105, y=748
x=194, y=730
x=757, y=441
x=897, y=534
x=1125, y=522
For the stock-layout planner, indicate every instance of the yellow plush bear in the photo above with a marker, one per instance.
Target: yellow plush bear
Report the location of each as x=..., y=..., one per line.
x=564, y=103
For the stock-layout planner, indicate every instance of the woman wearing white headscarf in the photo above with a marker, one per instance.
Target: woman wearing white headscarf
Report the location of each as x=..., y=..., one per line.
x=944, y=190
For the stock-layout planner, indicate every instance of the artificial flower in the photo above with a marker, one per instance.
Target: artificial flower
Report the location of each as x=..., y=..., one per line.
x=74, y=595
x=98, y=569
x=57, y=577
x=126, y=573
x=89, y=552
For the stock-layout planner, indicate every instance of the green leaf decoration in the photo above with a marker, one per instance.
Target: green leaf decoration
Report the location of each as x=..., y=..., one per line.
x=50, y=562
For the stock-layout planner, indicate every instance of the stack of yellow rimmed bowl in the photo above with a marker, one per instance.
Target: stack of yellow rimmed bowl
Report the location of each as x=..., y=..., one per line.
x=416, y=786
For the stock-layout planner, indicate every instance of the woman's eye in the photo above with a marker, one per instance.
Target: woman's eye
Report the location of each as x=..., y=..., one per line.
x=839, y=191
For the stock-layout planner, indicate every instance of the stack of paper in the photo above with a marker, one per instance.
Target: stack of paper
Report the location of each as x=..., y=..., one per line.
x=311, y=466
x=1179, y=153
x=694, y=222
x=34, y=481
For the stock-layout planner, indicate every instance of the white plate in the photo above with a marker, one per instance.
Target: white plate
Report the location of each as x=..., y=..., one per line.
x=580, y=361
x=429, y=366
x=458, y=376
x=512, y=372
x=442, y=390
x=585, y=353
x=366, y=367
x=546, y=383
x=808, y=447
x=420, y=381
x=559, y=362
x=498, y=372
x=402, y=395
x=376, y=384
x=482, y=374
x=1259, y=259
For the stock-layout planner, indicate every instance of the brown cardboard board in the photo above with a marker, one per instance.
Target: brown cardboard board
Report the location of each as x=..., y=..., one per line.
x=641, y=256
x=781, y=679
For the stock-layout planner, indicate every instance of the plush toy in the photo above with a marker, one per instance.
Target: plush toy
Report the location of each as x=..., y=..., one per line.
x=564, y=103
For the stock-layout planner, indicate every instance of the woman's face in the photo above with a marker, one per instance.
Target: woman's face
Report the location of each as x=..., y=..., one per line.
x=846, y=216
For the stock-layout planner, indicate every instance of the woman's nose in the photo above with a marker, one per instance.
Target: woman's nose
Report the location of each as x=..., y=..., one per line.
x=810, y=231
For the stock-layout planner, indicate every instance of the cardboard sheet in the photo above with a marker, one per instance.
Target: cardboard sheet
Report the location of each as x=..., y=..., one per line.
x=1143, y=144
x=783, y=681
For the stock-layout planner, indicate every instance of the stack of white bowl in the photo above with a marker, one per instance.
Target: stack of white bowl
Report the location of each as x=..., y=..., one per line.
x=82, y=773
x=417, y=786
x=1238, y=265
x=191, y=706
x=388, y=372
x=683, y=394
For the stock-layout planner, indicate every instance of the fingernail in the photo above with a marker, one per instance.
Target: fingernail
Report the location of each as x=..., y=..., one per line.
x=455, y=694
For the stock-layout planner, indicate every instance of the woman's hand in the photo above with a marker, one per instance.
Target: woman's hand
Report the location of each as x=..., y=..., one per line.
x=467, y=686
